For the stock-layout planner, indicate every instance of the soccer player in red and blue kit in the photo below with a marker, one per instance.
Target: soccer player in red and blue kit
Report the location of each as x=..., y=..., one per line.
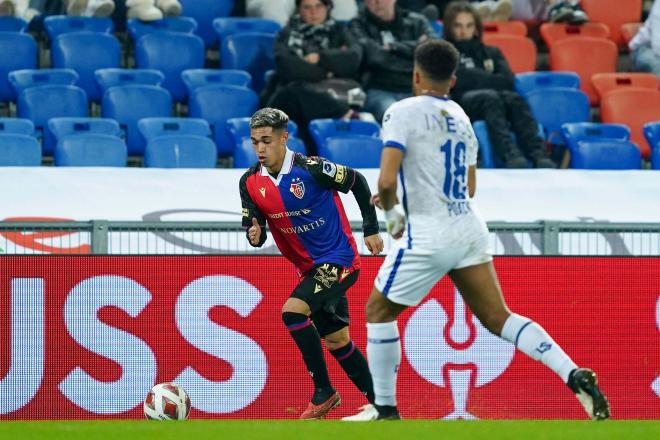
x=297, y=196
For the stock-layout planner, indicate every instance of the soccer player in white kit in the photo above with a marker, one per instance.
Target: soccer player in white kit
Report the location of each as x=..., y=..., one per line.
x=429, y=144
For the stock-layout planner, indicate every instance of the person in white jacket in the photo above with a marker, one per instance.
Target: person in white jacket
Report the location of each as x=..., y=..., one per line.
x=146, y=10
x=645, y=46
x=281, y=11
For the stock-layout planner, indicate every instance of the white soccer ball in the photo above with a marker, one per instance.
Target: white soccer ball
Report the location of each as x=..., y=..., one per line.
x=167, y=401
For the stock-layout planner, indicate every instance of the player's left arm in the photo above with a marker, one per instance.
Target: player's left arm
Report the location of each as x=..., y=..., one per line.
x=471, y=159
x=472, y=180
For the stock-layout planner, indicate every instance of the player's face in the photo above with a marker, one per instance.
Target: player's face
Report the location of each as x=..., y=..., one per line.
x=383, y=9
x=313, y=11
x=464, y=28
x=270, y=146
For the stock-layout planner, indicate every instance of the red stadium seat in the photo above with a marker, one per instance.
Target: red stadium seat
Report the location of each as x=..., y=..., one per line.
x=585, y=56
x=513, y=27
x=629, y=30
x=606, y=82
x=553, y=32
x=633, y=107
x=613, y=13
x=520, y=52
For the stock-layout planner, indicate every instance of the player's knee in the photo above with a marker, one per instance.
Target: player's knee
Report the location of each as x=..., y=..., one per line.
x=377, y=311
x=336, y=342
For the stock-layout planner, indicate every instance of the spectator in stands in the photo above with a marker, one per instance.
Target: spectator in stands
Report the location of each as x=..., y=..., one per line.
x=317, y=62
x=151, y=10
x=645, y=46
x=388, y=35
x=485, y=90
x=29, y=9
x=281, y=10
x=494, y=10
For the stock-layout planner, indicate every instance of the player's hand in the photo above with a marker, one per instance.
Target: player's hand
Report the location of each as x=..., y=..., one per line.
x=375, y=200
x=254, y=233
x=395, y=219
x=374, y=244
x=312, y=58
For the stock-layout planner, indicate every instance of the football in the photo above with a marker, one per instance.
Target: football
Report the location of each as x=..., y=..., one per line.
x=167, y=401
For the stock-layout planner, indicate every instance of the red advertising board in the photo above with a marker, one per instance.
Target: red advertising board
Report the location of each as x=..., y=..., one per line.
x=85, y=337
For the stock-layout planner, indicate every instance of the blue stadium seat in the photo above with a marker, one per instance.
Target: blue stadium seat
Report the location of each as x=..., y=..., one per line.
x=151, y=128
x=19, y=150
x=107, y=78
x=85, y=52
x=61, y=127
x=90, y=150
x=227, y=26
x=245, y=157
x=171, y=53
x=12, y=24
x=128, y=104
x=138, y=28
x=322, y=129
x=194, y=78
x=40, y=104
x=486, y=153
x=17, y=52
x=253, y=52
x=236, y=102
x=180, y=151
x=56, y=25
x=239, y=128
x=357, y=151
x=652, y=135
x=528, y=81
x=27, y=78
x=554, y=106
x=204, y=12
x=16, y=126
x=601, y=146
x=438, y=27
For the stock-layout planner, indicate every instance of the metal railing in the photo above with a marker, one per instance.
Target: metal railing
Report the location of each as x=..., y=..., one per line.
x=179, y=238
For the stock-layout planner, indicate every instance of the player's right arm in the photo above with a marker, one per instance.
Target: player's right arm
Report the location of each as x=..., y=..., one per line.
x=253, y=220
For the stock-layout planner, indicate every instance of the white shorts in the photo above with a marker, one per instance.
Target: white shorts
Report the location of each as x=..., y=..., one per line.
x=410, y=271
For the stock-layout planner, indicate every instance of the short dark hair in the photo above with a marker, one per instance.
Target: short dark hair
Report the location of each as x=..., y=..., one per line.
x=269, y=117
x=437, y=58
x=326, y=3
x=452, y=11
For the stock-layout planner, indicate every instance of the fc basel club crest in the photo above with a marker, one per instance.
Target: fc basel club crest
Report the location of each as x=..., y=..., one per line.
x=297, y=188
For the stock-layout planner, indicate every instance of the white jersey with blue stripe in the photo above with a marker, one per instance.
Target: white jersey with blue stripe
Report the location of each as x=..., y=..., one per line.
x=439, y=145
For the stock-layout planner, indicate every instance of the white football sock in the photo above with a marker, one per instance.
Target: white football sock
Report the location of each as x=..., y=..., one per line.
x=531, y=339
x=384, y=354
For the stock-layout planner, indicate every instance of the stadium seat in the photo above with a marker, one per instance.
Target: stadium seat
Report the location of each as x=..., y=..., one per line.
x=438, y=27
x=633, y=107
x=16, y=126
x=652, y=134
x=227, y=26
x=90, y=150
x=85, y=52
x=56, y=25
x=138, y=28
x=27, y=78
x=252, y=52
x=553, y=32
x=245, y=157
x=601, y=146
x=513, y=27
x=323, y=129
x=12, y=24
x=204, y=12
x=236, y=102
x=528, y=81
x=17, y=52
x=180, y=151
x=613, y=13
x=40, y=104
x=486, y=152
x=151, y=128
x=520, y=52
x=605, y=82
x=629, y=30
x=194, y=78
x=130, y=103
x=61, y=127
x=107, y=78
x=239, y=128
x=586, y=56
x=171, y=53
x=19, y=150
x=554, y=106
x=357, y=151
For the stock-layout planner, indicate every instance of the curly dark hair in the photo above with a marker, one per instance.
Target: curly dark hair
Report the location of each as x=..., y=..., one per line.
x=437, y=58
x=328, y=3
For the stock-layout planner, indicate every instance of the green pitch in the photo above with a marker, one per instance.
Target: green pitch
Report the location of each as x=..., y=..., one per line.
x=331, y=430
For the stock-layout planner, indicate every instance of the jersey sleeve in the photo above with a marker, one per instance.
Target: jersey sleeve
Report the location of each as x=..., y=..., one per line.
x=330, y=174
x=395, y=128
x=249, y=209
